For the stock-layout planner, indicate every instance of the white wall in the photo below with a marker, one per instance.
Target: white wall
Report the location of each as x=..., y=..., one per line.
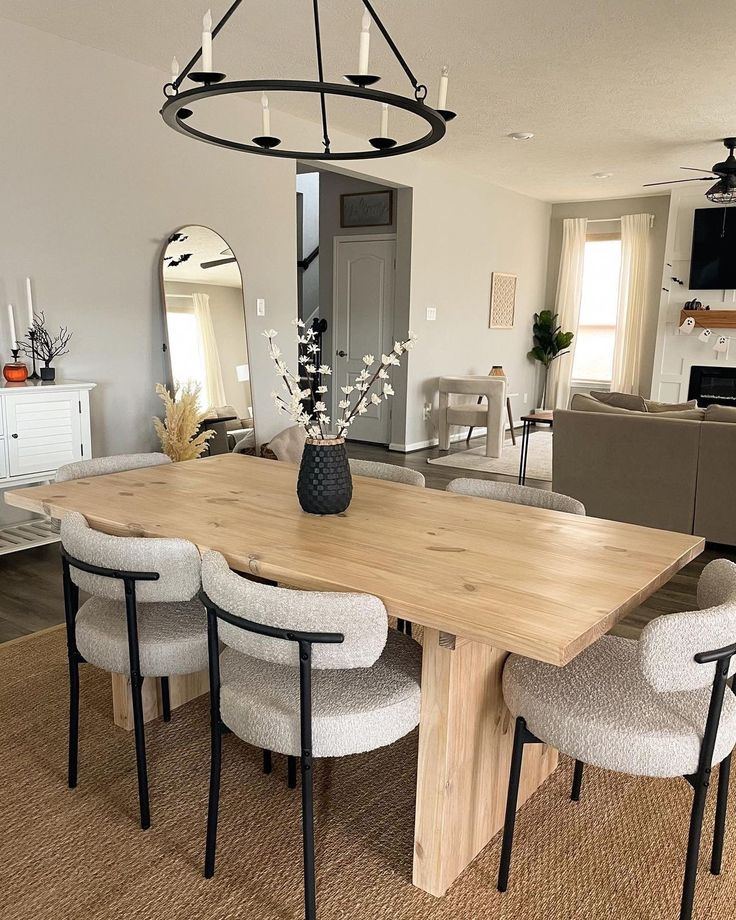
x=307, y=185
x=675, y=353
x=93, y=181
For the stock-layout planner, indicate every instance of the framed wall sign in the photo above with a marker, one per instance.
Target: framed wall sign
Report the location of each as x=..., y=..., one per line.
x=503, y=300
x=367, y=209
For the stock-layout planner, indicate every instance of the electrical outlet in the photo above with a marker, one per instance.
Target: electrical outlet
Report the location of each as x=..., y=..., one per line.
x=526, y=398
x=260, y=307
x=431, y=313
x=427, y=411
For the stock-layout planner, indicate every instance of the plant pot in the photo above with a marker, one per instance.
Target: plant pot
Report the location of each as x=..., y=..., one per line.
x=324, y=485
x=48, y=373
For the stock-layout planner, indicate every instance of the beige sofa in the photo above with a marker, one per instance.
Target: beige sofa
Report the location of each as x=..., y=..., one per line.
x=671, y=470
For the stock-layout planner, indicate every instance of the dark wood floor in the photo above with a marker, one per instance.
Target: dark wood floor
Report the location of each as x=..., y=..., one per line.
x=30, y=581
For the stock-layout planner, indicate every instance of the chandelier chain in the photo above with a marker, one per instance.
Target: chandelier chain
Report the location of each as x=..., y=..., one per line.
x=321, y=75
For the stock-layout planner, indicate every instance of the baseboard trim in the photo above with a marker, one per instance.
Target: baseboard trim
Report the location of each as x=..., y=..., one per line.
x=433, y=442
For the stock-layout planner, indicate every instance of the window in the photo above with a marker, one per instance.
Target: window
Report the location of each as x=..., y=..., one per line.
x=597, y=327
x=185, y=348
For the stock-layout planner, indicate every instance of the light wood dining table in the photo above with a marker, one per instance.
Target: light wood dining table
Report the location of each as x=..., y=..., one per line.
x=483, y=578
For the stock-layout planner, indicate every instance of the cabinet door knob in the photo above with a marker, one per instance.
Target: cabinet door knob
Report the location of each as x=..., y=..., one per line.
x=342, y=354
x=13, y=435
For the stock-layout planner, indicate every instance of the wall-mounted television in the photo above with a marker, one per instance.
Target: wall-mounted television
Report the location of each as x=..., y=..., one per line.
x=713, y=262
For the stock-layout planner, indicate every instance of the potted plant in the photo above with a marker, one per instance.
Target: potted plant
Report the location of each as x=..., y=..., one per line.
x=325, y=485
x=550, y=343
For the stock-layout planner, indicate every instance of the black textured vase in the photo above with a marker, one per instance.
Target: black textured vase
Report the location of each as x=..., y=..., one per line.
x=324, y=485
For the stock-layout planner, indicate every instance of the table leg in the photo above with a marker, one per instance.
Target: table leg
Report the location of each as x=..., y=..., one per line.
x=182, y=688
x=511, y=420
x=524, y=446
x=465, y=740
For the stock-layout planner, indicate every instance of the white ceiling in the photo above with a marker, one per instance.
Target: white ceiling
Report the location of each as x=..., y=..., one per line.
x=632, y=88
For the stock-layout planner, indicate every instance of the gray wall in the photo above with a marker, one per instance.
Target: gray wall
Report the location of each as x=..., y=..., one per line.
x=617, y=207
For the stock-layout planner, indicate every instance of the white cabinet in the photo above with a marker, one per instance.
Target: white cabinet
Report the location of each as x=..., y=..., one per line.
x=42, y=426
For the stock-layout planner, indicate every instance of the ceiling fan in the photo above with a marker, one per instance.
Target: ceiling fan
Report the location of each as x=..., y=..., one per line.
x=724, y=191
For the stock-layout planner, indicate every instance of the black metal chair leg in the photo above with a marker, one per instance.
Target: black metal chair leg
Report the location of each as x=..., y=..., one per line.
x=310, y=898
x=407, y=628
x=400, y=625
x=214, y=802
x=693, y=845
x=165, y=699
x=291, y=771
x=136, y=684
x=267, y=761
x=511, y=800
x=73, y=719
x=721, y=808
x=577, y=781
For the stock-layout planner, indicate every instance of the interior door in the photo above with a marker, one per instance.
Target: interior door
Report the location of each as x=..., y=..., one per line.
x=363, y=310
x=44, y=431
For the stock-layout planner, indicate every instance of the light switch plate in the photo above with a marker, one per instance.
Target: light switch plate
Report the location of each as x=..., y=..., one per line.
x=431, y=313
x=260, y=307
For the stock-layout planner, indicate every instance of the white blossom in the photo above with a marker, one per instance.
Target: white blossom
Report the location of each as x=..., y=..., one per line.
x=368, y=360
x=310, y=369
x=320, y=407
x=270, y=333
x=383, y=374
x=298, y=322
x=398, y=348
x=363, y=409
x=388, y=390
x=375, y=399
x=321, y=390
x=344, y=404
x=347, y=390
x=325, y=369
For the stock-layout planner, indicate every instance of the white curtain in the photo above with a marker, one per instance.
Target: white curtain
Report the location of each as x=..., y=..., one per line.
x=567, y=305
x=631, y=302
x=213, y=381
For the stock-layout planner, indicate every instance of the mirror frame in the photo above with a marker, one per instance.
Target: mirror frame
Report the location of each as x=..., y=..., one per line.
x=165, y=346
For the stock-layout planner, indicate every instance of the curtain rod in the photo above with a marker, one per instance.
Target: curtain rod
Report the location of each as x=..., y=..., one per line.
x=612, y=220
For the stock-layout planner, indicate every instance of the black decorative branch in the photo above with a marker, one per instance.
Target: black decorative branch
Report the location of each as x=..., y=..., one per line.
x=43, y=344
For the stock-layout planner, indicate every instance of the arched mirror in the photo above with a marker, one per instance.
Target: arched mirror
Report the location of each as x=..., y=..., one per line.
x=205, y=333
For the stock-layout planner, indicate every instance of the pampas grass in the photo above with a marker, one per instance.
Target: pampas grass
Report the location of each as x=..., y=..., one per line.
x=178, y=433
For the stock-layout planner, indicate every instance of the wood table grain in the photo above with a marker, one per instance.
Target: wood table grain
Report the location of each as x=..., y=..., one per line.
x=484, y=578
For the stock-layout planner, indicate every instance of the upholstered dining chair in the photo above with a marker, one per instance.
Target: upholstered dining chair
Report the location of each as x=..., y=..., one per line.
x=489, y=416
x=100, y=466
x=386, y=471
x=516, y=495
x=658, y=707
x=303, y=673
x=143, y=619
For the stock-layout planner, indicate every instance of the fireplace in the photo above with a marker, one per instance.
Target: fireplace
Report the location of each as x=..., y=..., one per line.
x=713, y=385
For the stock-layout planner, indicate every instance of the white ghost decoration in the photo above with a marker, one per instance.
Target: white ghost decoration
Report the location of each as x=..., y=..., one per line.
x=721, y=346
x=687, y=326
x=705, y=335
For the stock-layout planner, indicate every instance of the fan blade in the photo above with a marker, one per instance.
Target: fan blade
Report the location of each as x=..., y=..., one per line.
x=695, y=169
x=216, y=262
x=675, y=181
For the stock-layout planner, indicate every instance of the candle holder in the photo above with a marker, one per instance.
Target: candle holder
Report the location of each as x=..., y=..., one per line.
x=362, y=79
x=446, y=114
x=185, y=113
x=382, y=143
x=14, y=371
x=206, y=76
x=267, y=143
x=33, y=335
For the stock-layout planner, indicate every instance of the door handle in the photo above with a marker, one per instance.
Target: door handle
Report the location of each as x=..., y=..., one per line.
x=341, y=353
x=13, y=435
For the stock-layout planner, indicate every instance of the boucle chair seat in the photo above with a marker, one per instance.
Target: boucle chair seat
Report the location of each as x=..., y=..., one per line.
x=353, y=710
x=172, y=637
x=517, y=495
x=101, y=466
x=601, y=710
x=386, y=471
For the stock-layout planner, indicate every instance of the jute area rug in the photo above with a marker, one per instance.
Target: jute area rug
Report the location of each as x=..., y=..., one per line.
x=617, y=855
x=539, y=461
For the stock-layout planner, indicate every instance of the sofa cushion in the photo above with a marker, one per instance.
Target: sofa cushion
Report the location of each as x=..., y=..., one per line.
x=582, y=403
x=697, y=415
x=629, y=401
x=718, y=413
x=654, y=406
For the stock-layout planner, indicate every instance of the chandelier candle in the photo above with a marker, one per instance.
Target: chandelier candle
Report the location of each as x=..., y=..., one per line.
x=207, y=42
x=174, y=69
x=384, y=119
x=365, y=44
x=266, y=116
x=442, y=96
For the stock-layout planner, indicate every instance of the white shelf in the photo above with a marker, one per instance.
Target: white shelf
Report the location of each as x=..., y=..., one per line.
x=28, y=534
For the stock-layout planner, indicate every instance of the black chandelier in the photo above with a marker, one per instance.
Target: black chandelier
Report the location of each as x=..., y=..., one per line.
x=177, y=111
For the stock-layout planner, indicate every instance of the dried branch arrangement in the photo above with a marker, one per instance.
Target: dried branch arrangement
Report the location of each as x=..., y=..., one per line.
x=179, y=432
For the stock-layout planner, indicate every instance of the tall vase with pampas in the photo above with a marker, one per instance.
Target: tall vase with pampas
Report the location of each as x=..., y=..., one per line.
x=179, y=432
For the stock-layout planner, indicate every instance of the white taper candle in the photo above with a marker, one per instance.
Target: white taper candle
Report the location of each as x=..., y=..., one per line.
x=365, y=43
x=442, y=96
x=174, y=69
x=207, y=42
x=265, y=116
x=384, y=119
x=13, y=336
x=29, y=298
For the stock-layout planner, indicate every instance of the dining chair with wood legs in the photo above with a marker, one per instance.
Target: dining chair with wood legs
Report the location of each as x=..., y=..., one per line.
x=659, y=707
x=143, y=619
x=304, y=673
